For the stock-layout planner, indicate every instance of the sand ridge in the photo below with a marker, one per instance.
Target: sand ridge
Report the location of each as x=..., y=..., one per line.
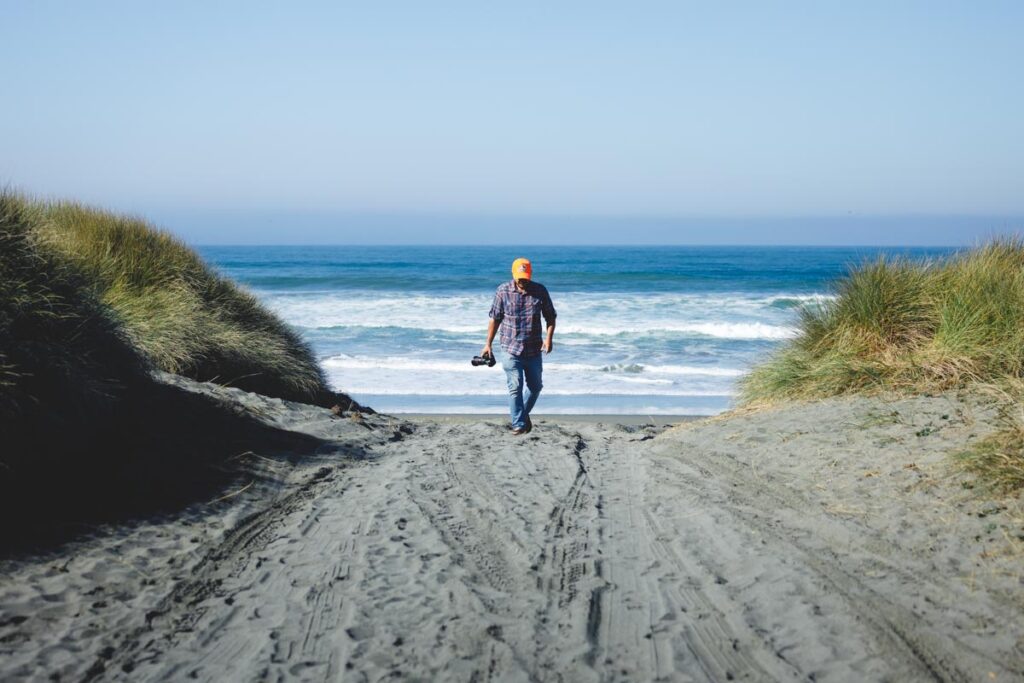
x=817, y=542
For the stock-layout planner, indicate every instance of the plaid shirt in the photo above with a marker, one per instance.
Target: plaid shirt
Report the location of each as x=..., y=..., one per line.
x=520, y=314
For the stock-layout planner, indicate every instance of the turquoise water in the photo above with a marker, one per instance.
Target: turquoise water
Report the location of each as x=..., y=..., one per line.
x=646, y=330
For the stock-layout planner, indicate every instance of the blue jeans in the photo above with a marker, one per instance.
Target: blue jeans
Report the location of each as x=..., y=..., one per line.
x=516, y=368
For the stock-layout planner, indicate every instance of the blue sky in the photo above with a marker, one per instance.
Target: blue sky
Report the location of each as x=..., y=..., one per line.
x=588, y=122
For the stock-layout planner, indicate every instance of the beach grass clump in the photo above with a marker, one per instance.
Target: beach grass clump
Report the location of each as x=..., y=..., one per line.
x=64, y=363
x=906, y=326
x=912, y=327
x=998, y=459
x=90, y=304
x=180, y=314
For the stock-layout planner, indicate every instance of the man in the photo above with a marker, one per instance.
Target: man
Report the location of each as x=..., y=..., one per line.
x=517, y=309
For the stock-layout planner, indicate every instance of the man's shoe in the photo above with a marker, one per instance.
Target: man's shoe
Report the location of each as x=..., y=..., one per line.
x=517, y=431
x=529, y=424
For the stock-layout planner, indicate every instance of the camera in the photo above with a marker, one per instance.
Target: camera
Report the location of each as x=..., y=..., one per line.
x=487, y=360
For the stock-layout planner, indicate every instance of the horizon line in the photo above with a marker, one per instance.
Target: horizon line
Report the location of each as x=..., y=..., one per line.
x=617, y=245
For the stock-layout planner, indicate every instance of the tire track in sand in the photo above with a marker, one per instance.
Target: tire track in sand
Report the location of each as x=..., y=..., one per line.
x=775, y=516
x=462, y=553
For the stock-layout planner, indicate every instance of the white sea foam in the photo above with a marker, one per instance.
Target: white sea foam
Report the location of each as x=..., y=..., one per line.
x=346, y=362
x=690, y=370
x=649, y=349
x=645, y=380
x=734, y=316
x=720, y=330
x=799, y=298
x=381, y=391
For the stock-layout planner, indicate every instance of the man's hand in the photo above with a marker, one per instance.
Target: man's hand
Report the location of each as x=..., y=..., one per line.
x=486, y=350
x=547, y=346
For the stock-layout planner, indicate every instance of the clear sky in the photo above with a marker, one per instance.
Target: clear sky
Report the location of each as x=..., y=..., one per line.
x=573, y=122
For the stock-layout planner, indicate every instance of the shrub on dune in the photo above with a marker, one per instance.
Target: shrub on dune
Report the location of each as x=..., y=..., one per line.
x=64, y=364
x=998, y=459
x=90, y=303
x=906, y=326
x=184, y=317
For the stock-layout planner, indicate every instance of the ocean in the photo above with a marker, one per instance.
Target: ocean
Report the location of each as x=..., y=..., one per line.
x=641, y=330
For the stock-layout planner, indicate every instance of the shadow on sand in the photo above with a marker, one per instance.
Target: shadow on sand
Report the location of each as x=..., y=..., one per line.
x=163, y=449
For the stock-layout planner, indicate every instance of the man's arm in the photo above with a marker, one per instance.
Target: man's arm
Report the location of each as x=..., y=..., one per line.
x=549, y=317
x=496, y=314
x=492, y=329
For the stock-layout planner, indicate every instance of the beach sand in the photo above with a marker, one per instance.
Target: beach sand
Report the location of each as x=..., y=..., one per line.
x=827, y=541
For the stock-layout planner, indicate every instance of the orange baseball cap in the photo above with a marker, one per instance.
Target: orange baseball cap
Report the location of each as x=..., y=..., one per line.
x=522, y=269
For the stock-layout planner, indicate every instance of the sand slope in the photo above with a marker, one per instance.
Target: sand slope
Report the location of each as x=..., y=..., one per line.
x=822, y=542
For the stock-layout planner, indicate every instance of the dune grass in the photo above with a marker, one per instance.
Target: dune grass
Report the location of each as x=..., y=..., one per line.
x=90, y=304
x=905, y=326
x=998, y=460
x=65, y=365
x=180, y=314
x=56, y=339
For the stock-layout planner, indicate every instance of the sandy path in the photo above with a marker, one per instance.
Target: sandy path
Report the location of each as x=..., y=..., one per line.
x=474, y=557
x=583, y=552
